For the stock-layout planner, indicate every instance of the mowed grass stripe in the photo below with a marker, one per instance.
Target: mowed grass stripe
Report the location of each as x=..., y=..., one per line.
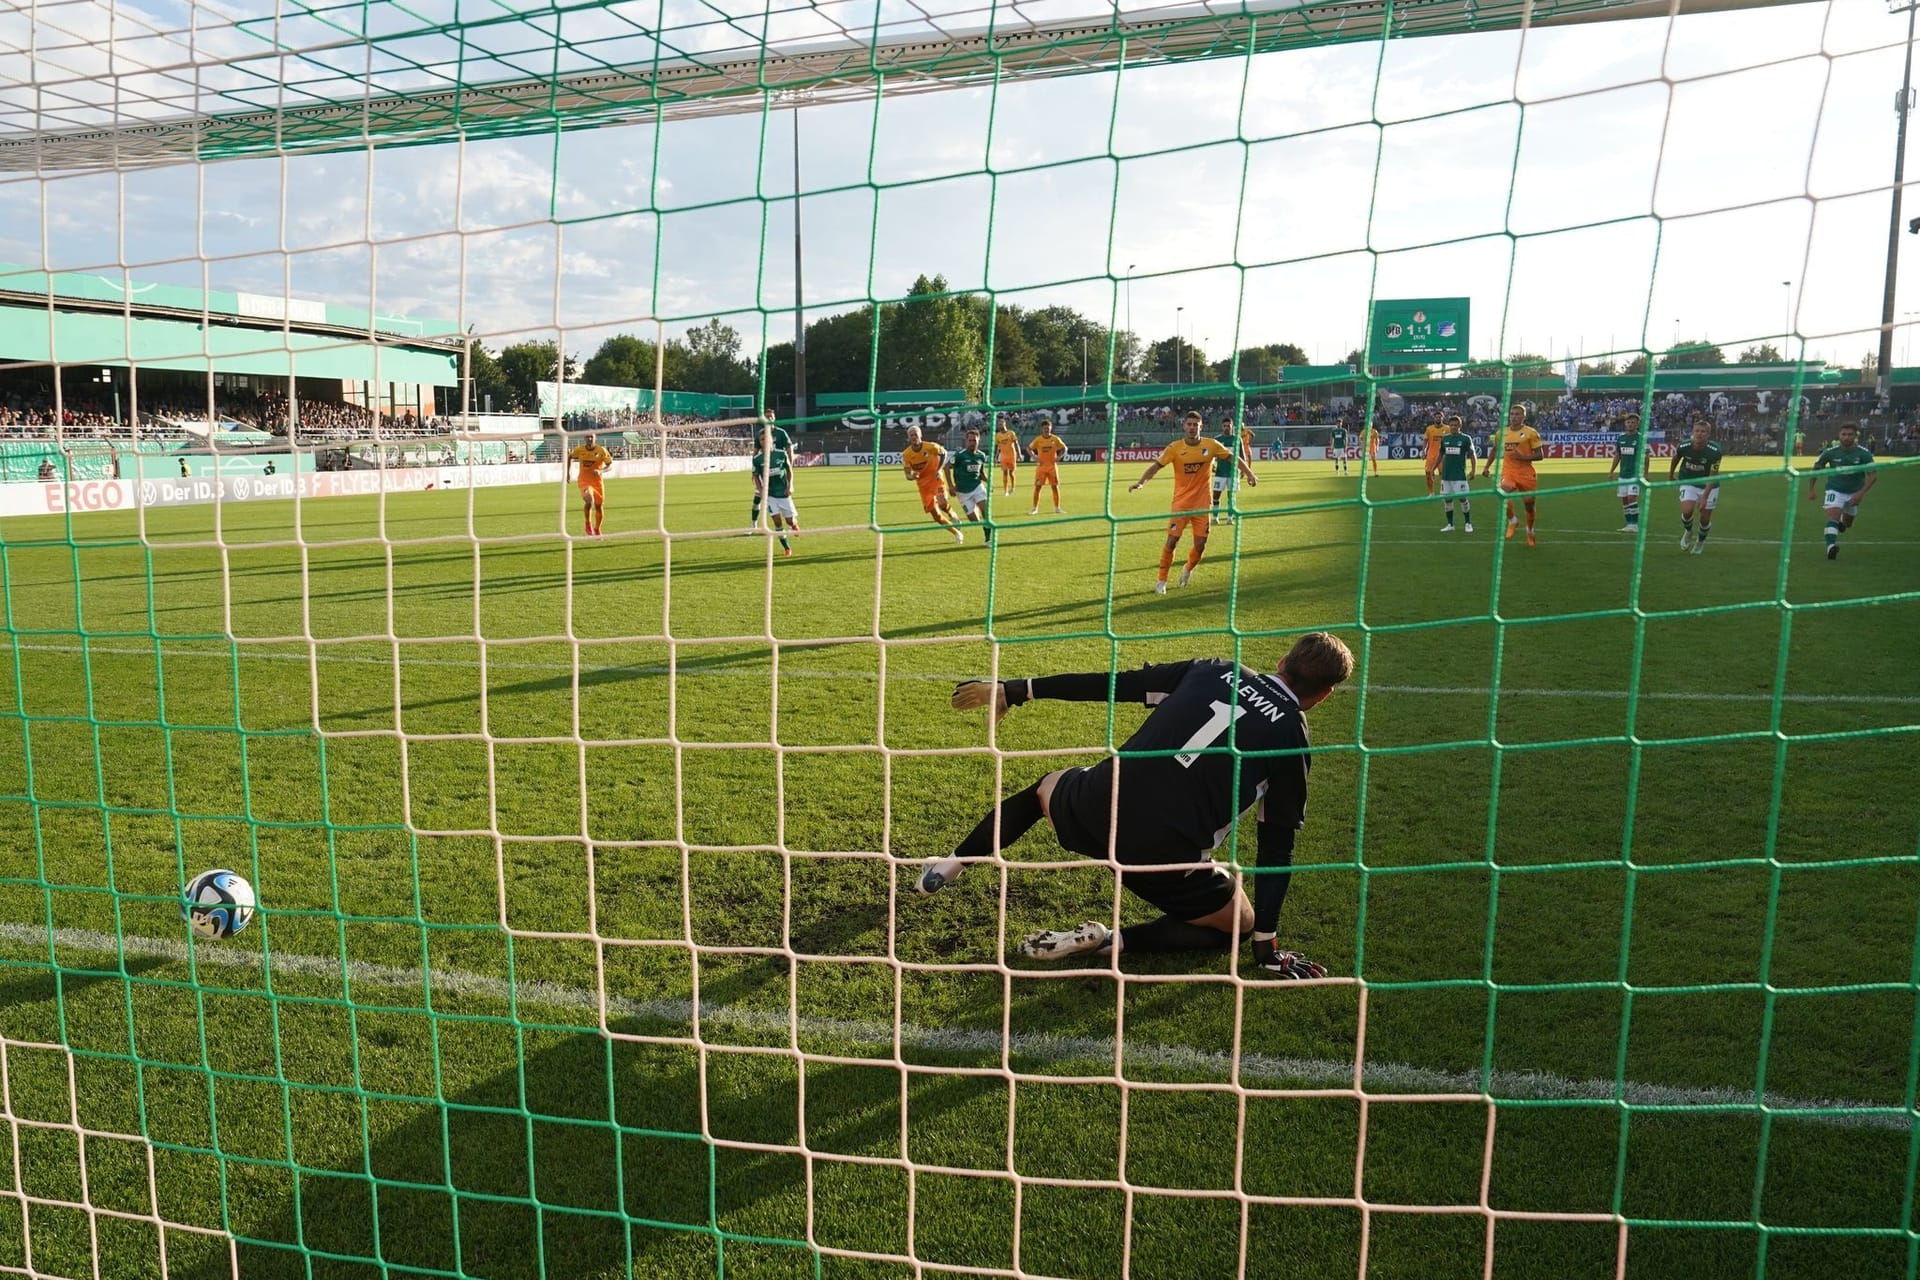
x=246, y=652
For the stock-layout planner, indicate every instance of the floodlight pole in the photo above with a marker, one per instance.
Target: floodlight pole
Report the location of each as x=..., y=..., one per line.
x=799, y=312
x=1883, y=371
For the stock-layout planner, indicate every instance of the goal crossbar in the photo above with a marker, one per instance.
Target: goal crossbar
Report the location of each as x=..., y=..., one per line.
x=734, y=82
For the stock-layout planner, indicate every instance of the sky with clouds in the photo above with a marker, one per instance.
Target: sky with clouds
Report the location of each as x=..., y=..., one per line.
x=1589, y=187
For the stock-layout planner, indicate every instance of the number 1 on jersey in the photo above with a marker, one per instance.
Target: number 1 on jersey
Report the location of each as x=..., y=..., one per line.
x=1209, y=733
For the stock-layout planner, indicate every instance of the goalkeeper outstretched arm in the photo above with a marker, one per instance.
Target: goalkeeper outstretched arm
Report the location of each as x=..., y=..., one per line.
x=1092, y=686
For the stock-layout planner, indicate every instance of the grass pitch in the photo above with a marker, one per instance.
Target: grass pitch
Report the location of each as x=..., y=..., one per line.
x=1621, y=837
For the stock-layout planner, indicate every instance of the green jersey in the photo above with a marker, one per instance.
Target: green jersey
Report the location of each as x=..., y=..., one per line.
x=1337, y=438
x=1698, y=462
x=777, y=472
x=1627, y=449
x=969, y=470
x=1225, y=469
x=1456, y=456
x=1841, y=456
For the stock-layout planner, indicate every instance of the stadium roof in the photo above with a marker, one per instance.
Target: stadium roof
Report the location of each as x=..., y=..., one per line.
x=116, y=292
x=77, y=318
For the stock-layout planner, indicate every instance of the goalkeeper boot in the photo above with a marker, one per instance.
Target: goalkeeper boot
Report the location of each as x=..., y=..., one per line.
x=1160, y=587
x=1286, y=966
x=938, y=875
x=1060, y=944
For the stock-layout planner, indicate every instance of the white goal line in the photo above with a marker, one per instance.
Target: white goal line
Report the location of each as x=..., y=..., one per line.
x=1314, y=1073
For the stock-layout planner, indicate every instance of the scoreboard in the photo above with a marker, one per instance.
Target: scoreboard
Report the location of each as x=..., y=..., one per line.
x=1420, y=330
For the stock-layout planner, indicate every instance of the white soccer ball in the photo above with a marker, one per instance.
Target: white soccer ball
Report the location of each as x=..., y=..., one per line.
x=218, y=904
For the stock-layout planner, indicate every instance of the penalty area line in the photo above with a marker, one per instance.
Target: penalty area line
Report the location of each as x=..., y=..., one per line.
x=1320, y=1073
x=247, y=650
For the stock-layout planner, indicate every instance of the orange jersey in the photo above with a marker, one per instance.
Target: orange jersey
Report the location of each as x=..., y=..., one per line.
x=1373, y=440
x=923, y=462
x=1009, y=446
x=1513, y=444
x=1048, y=449
x=592, y=462
x=1435, y=433
x=1192, y=466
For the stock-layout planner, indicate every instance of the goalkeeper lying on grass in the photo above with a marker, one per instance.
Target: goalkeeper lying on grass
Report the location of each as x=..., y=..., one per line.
x=1214, y=726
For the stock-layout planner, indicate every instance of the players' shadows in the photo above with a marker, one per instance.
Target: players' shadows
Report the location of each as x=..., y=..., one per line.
x=598, y=1168
x=846, y=930
x=460, y=585
x=46, y=988
x=688, y=662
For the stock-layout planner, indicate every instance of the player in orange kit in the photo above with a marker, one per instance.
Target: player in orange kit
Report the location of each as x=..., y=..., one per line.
x=1435, y=433
x=1192, y=458
x=1047, y=449
x=593, y=460
x=924, y=461
x=1006, y=445
x=1520, y=448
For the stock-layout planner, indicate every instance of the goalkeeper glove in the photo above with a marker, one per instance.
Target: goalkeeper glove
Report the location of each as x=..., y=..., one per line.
x=969, y=694
x=1286, y=966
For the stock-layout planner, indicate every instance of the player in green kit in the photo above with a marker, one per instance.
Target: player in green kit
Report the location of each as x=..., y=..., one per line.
x=1627, y=450
x=1697, y=462
x=773, y=481
x=1844, y=488
x=1337, y=449
x=1226, y=474
x=781, y=443
x=967, y=473
x=1457, y=456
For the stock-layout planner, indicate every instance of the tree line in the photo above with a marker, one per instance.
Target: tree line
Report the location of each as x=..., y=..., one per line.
x=936, y=337
x=933, y=338
x=1686, y=354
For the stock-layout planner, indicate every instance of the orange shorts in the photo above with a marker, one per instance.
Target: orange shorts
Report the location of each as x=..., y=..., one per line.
x=592, y=487
x=1433, y=456
x=1009, y=460
x=931, y=494
x=1201, y=526
x=1515, y=481
x=1045, y=471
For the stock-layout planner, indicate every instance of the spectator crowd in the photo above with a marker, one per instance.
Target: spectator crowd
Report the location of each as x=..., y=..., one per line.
x=1747, y=423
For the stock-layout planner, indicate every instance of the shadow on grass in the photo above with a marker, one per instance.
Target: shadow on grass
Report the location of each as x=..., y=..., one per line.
x=589, y=1161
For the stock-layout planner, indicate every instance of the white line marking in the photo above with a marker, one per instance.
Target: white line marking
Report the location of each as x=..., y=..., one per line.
x=1381, y=1077
x=248, y=650
x=1869, y=699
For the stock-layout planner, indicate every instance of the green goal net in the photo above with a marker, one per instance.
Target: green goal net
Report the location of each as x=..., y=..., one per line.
x=575, y=843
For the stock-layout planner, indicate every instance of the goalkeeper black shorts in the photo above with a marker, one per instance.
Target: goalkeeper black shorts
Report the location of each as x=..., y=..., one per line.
x=1079, y=809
